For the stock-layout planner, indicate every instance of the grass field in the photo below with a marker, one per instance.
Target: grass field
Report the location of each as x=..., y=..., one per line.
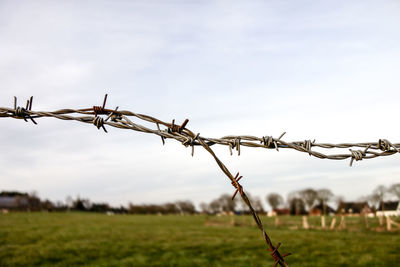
x=87, y=239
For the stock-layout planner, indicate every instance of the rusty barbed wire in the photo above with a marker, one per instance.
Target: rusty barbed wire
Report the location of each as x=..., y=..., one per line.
x=120, y=119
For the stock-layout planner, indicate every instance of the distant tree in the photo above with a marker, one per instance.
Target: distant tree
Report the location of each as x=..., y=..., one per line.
x=338, y=200
x=379, y=193
x=374, y=200
x=215, y=206
x=296, y=203
x=171, y=208
x=297, y=206
x=47, y=205
x=186, y=207
x=69, y=202
x=309, y=196
x=226, y=202
x=205, y=208
x=81, y=204
x=12, y=194
x=99, y=207
x=395, y=190
x=274, y=200
x=34, y=201
x=59, y=205
x=257, y=205
x=323, y=196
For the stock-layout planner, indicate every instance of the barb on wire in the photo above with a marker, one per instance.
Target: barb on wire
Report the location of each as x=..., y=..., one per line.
x=235, y=183
x=177, y=128
x=120, y=119
x=276, y=256
x=21, y=112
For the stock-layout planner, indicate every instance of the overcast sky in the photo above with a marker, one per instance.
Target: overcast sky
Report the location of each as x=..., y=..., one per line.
x=324, y=70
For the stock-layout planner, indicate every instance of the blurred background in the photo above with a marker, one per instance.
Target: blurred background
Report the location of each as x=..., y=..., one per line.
x=317, y=70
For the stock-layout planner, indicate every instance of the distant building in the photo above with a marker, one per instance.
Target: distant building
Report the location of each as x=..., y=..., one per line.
x=390, y=208
x=319, y=210
x=349, y=208
x=14, y=203
x=279, y=212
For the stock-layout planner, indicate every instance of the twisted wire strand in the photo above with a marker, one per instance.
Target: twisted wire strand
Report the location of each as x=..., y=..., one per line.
x=382, y=147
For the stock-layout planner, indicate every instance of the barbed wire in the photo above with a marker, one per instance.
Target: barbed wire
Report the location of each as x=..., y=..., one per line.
x=120, y=119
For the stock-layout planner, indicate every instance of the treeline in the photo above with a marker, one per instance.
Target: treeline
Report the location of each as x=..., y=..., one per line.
x=303, y=201
x=225, y=204
x=178, y=207
x=297, y=203
x=19, y=201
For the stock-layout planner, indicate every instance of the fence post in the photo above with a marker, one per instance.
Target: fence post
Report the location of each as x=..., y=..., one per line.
x=342, y=224
x=276, y=221
x=388, y=223
x=323, y=221
x=333, y=224
x=380, y=220
x=305, y=223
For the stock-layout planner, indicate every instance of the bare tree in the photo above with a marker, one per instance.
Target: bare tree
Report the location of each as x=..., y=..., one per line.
x=296, y=203
x=170, y=208
x=257, y=204
x=373, y=200
x=380, y=193
x=205, y=208
x=274, y=200
x=338, y=200
x=69, y=202
x=296, y=206
x=395, y=190
x=215, y=206
x=185, y=207
x=227, y=203
x=309, y=196
x=323, y=196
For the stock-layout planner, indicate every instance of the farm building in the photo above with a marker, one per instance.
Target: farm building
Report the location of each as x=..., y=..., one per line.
x=319, y=210
x=276, y=212
x=18, y=201
x=350, y=208
x=13, y=202
x=390, y=208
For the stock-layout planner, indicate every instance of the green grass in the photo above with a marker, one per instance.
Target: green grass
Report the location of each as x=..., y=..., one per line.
x=84, y=239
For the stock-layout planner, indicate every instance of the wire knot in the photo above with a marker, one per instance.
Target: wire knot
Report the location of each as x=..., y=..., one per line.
x=235, y=183
x=385, y=145
x=267, y=141
x=191, y=142
x=307, y=144
x=177, y=128
x=276, y=255
x=20, y=112
x=23, y=112
x=356, y=155
x=99, y=110
x=234, y=144
x=99, y=122
x=114, y=116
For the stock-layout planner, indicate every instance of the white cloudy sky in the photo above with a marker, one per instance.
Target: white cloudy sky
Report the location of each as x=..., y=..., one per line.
x=324, y=70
